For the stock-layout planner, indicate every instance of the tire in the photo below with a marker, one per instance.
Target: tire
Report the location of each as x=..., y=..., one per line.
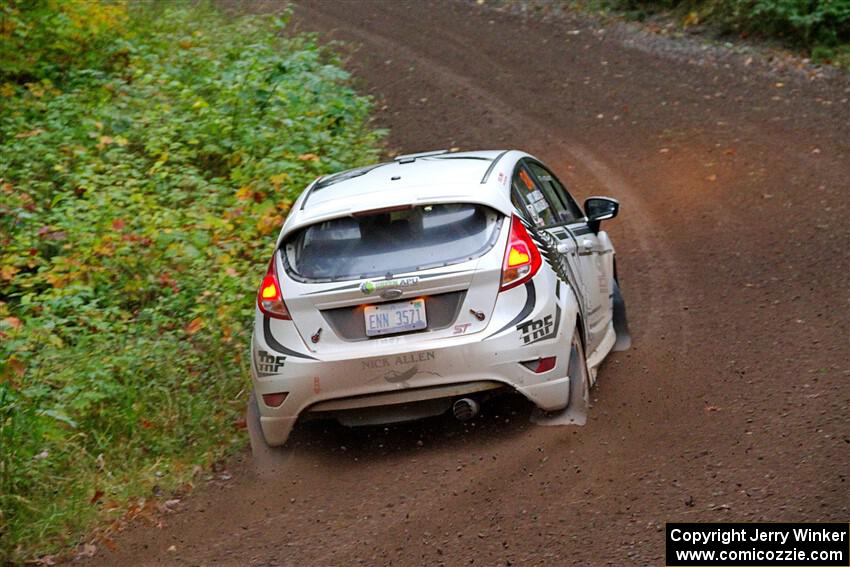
x=621, y=322
x=267, y=460
x=576, y=411
x=579, y=381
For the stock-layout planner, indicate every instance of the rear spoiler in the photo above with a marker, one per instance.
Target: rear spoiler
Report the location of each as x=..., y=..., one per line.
x=410, y=158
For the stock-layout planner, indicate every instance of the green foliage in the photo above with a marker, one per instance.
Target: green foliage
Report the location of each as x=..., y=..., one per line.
x=838, y=55
x=824, y=22
x=820, y=26
x=139, y=196
x=806, y=23
x=45, y=38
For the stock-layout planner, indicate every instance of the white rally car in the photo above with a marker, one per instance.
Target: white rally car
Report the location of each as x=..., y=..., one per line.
x=403, y=289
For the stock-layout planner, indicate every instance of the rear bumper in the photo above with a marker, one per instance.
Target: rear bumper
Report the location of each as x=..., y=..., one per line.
x=405, y=396
x=404, y=373
x=549, y=396
x=316, y=386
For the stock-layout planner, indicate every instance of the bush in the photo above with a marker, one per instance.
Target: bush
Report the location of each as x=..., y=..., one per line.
x=46, y=38
x=811, y=24
x=802, y=23
x=140, y=190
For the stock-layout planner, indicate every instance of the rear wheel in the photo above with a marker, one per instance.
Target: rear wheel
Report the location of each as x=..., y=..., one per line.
x=579, y=381
x=267, y=460
x=576, y=411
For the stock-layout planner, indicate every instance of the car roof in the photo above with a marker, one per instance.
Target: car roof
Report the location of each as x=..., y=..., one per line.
x=404, y=172
x=428, y=177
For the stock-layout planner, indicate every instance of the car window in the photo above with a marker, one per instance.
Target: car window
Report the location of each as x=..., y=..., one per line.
x=565, y=208
x=533, y=200
x=391, y=241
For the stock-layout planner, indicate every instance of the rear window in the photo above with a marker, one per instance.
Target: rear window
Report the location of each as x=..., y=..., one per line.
x=392, y=242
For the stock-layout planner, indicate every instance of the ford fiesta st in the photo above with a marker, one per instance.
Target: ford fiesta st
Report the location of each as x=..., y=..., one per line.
x=403, y=289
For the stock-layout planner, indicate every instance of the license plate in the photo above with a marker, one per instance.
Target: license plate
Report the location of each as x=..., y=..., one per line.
x=395, y=317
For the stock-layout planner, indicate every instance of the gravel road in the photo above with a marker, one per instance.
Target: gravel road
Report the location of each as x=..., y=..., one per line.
x=732, y=243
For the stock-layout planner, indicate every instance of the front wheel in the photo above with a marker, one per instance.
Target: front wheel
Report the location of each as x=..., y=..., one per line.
x=621, y=322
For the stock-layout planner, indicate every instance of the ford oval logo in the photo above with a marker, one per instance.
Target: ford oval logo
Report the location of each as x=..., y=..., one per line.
x=391, y=293
x=385, y=285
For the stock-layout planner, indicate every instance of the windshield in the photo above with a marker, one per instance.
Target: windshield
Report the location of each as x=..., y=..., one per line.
x=391, y=242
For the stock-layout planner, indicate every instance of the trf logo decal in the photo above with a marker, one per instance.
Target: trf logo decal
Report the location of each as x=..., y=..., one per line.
x=268, y=364
x=535, y=330
x=540, y=329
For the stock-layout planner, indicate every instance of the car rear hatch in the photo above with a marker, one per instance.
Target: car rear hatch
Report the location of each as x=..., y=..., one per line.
x=402, y=274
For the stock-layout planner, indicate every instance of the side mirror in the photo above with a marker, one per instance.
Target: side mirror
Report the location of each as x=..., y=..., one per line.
x=599, y=209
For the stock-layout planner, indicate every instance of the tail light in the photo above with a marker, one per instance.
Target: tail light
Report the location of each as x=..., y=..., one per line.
x=541, y=365
x=275, y=400
x=269, y=296
x=522, y=258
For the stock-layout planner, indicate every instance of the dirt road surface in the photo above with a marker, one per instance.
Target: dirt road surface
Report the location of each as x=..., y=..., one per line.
x=733, y=254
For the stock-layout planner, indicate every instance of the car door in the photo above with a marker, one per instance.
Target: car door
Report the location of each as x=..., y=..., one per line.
x=594, y=254
x=553, y=210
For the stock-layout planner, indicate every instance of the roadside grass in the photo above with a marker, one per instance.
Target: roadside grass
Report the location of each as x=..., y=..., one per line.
x=148, y=155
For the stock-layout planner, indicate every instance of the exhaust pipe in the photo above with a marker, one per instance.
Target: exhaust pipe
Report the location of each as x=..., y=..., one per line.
x=465, y=409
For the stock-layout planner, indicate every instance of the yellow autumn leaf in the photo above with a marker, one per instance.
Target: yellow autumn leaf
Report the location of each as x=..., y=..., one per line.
x=35, y=89
x=16, y=366
x=29, y=133
x=195, y=325
x=244, y=193
x=8, y=272
x=278, y=179
x=308, y=157
x=105, y=249
x=57, y=280
x=103, y=142
x=269, y=222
